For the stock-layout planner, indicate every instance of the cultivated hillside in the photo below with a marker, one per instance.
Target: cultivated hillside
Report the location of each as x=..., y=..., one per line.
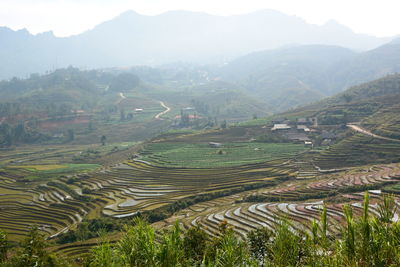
x=364, y=119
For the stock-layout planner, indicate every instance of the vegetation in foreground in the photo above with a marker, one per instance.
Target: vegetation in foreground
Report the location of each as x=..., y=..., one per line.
x=364, y=241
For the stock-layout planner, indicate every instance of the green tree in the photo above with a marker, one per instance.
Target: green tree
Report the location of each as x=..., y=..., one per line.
x=34, y=254
x=170, y=251
x=124, y=82
x=288, y=248
x=260, y=243
x=122, y=116
x=195, y=244
x=223, y=124
x=90, y=126
x=137, y=246
x=387, y=209
x=103, y=140
x=104, y=255
x=19, y=131
x=70, y=135
x=185, y=119
x=6, y=134
x=230, y=251
x=3, y=246
x=129, y=116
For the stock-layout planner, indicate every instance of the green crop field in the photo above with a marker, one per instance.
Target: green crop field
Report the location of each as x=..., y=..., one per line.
x=393, y=189
x=358, y=150
x=43, y=172
x=230, y=154
x=255, y=122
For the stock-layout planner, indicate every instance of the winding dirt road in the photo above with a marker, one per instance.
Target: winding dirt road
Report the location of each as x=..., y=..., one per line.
x=122, y=97
x=359, y=129
x=167, y=109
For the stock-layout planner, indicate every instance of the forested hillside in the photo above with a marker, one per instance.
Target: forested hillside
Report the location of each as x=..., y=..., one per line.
x=303, y=74
x=70, y=105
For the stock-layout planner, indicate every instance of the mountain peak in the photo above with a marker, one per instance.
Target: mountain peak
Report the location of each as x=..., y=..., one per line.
x=333, y=24
x=46, y=34
x=9, y=31
x=129, y=13
x=186, y=36
x=269, y=12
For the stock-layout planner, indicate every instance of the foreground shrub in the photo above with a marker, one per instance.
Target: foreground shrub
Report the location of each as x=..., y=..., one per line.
x=364, y=240
x=32, y=253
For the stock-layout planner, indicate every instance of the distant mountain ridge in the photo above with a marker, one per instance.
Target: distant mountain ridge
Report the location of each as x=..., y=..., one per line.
x=303, y=74
x=133, y=39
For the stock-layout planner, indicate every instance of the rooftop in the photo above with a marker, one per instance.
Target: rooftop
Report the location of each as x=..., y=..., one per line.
x=281, y=126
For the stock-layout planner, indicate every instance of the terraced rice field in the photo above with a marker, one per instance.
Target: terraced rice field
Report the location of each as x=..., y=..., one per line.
x=375, y=175
x=201, y=155
x=361, y=149
x=56, y=205
x=137, y=186
x=247, y=217
x=242, y=216
x=385, y=122
x=26, y=198
x=51, y=208
x=358, y=150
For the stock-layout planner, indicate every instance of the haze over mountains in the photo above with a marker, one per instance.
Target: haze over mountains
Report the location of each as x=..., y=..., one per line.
x=133, y=39
x=287, y=77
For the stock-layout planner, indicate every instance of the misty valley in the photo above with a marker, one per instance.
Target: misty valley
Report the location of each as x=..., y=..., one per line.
x=188, y=139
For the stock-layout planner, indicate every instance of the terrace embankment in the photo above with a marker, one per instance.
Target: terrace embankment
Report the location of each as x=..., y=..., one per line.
x=40, y=193
x=289, y=201
x=285, y=201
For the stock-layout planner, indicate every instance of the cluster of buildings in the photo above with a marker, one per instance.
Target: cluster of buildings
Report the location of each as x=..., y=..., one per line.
x=299, y=131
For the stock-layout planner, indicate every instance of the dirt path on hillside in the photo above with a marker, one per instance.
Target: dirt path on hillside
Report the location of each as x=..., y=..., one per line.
x=359, y=129
x=122, y=97
x=167, y=109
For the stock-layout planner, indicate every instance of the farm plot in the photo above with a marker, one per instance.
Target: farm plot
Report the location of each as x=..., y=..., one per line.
x=237, y=134
x=201, y=155
x=51, y=208
x=244, y=218
x=137, y=186
x=385, y=122
x=358, y=150
x=38, y=186
x=27, y=196
x=378, y=175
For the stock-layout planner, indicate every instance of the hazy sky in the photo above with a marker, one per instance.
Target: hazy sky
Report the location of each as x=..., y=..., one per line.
x=67, y=17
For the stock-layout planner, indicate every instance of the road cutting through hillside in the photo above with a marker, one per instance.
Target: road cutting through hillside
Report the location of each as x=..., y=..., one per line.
x=167, y=109
x=359, y=129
